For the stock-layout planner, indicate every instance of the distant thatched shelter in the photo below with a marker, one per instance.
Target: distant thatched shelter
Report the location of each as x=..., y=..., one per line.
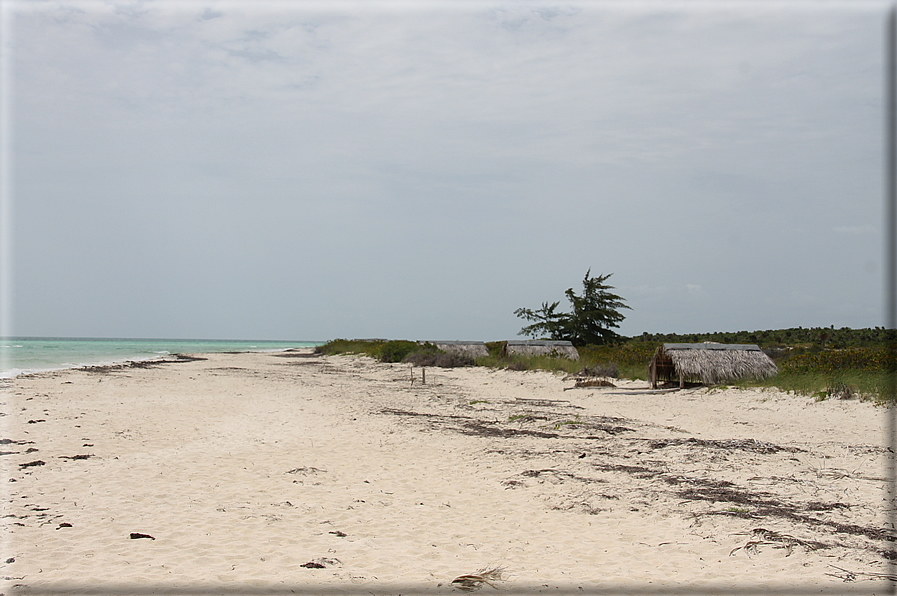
x=539, y=347
x=474, y=349
x=709, y=363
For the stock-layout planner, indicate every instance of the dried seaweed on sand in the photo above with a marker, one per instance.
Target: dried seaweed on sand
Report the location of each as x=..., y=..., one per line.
x=475, y=581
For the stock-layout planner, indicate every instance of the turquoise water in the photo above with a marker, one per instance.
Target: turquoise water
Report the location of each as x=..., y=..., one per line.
x=19, y=355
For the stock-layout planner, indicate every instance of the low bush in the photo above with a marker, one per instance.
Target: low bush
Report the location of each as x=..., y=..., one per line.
x=419, y=354
x=350, y=346
x=396, y=350
x=438, y=358
x=601, y=370
x=542, y=362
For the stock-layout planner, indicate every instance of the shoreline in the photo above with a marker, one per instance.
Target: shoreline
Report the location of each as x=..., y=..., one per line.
x=245, y=468
x=35, y=355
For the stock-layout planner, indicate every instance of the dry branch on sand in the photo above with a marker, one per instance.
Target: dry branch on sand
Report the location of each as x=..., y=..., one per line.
x=851, y=576
x=475, y=581
x=762, y=536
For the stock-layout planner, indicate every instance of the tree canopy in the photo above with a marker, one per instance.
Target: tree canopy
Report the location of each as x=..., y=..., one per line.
x=594, y=316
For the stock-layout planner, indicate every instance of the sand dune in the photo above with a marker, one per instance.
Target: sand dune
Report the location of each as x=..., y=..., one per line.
x=279, y=472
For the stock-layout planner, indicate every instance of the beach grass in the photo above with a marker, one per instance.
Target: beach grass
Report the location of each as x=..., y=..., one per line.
x=864, y=372
x=844, y=384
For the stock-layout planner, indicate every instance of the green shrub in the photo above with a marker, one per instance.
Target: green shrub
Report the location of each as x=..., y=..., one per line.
x=350, y=346
x=397, y=350
x=438, y=358
x=601, y=369
x=420, y=354
x=518, y=362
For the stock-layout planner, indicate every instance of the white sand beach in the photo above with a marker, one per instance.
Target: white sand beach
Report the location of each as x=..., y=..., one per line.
x=279, y=472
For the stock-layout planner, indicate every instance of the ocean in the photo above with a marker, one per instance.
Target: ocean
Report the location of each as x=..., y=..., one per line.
x=22, y=355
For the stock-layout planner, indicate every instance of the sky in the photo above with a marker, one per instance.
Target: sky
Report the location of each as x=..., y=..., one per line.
x=420, y=170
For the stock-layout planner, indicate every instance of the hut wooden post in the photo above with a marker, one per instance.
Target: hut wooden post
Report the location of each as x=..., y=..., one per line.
x=652, y=368
x=681, y=380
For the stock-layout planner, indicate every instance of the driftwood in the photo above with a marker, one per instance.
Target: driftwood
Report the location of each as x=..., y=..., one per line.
x=642, y=391
x=590, y=383
x=541, y=402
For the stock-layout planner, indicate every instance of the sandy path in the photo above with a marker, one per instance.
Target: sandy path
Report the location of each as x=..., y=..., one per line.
x=245, y=467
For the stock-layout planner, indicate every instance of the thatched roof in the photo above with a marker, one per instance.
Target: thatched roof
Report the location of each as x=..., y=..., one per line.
x=710, y=363
x=474, y=349
x=540, y=347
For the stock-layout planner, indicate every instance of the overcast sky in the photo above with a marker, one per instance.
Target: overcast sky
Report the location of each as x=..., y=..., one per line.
x=309, y=171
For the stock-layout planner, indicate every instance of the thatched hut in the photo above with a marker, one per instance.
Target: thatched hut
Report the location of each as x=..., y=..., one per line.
x=474, y=349
x=539, y=347
x=709, y=363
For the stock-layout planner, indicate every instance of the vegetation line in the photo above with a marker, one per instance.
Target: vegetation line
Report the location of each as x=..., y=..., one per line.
x=819, y=362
